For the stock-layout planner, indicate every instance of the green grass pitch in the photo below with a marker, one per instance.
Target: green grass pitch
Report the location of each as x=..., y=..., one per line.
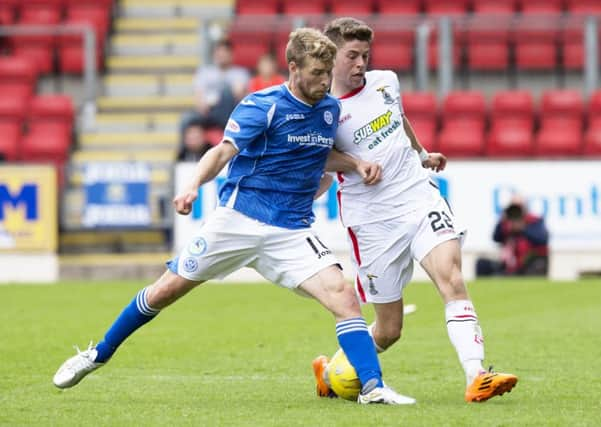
x=240, y=355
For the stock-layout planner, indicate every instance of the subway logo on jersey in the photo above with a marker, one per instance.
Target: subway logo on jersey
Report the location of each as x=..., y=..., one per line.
x=372, y=127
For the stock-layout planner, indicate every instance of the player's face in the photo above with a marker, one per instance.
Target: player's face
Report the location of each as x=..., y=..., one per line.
x=312, y=81
x=351, y=63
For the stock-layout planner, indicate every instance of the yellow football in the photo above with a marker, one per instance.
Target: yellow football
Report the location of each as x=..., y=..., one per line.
x=343, y=377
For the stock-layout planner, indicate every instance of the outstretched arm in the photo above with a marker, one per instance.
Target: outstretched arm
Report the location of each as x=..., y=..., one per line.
x=342, y=162
x=207, y=168
x=434, y=161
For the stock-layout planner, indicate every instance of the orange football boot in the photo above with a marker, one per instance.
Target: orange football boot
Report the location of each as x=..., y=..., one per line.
x=319, y=367
x=489, y=384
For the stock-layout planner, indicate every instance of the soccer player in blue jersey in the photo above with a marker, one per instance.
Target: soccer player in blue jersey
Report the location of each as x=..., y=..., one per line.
x=277, y=142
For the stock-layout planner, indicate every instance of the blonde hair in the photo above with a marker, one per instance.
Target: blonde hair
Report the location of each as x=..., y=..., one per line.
x=347, y=29
x=310, y=42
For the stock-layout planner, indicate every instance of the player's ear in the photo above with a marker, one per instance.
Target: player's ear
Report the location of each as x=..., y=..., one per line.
x=292, y=67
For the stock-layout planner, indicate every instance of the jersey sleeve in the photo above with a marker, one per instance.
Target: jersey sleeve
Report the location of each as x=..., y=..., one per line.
x=246, y=123
x=396, y=85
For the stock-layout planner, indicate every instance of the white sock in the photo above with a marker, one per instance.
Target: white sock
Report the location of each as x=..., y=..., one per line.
x=370, y=329
x=466, y=336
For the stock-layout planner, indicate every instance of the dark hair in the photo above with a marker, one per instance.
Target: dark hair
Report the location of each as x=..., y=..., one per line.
x=514, y=211
x=348, y=29
x=226, y=43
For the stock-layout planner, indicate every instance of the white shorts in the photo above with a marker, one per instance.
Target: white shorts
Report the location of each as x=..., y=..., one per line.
x=230, y=240
x=383, y=252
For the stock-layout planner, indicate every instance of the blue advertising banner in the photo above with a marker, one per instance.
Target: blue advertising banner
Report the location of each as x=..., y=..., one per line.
x=116, y=195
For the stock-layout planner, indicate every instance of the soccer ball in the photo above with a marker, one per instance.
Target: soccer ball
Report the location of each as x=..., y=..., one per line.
x=343, y=377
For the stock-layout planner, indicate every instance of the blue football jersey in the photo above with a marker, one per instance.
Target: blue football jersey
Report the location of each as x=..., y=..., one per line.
x=283, y=144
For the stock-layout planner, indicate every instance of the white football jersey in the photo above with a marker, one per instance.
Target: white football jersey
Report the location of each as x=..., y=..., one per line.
x=371, y=128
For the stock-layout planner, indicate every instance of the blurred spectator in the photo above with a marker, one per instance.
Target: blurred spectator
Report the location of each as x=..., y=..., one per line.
x=218, y=87
x=194, y=144
x=524, y=244
x=267, y=74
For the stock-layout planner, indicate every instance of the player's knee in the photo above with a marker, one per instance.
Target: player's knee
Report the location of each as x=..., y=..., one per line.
x=344, y=301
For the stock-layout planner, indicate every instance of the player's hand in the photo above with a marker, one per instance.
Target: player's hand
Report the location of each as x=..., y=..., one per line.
x=436, y=161
x=183, y=201
x=371, y=172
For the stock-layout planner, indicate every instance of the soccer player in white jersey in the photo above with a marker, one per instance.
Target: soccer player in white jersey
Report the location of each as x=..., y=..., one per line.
x=401, y=218
x=276, y=142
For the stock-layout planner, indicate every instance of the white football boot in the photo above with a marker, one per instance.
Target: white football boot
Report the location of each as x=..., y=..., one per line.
x=384, y=395
x=75, y=368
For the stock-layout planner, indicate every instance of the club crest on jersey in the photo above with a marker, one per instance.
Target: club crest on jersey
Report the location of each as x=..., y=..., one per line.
x=197, y=247
x=190, y=264
x=327, y=117
x=388, y=99
x=372, y=285
x=232, y=126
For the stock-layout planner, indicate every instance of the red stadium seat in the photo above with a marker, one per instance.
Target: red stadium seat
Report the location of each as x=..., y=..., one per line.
x=562, y=104
x=35, y=13
x=253, y=7
x=560, y=133
x=106, y=4
x=496, y=7
x=97, y=18
x=425, y=130
x=512, y=123
x=420, y=104
x=592, y=140
x=572, y=42
x=7, y=14
x=584, y=6
x=510, y=137
x=13, y=109
x=464, y=104
x=352, y=8
x=391, y=54
x=41, y=56
x=46, y=142
x=536, y=44
x=448, y=7
x=395, y=7
x=513, y=104
x=488, y=45
x=52, y=109
x=594, y=108
x=304, y=7
x=71, y=59
x=18, y=76
x=9, y=141
x=462, y=137
x=572, y=50
x=71, y=46
x=541, y=6
x=463, y=121
x=559, y=137
x=422, y=112
x=247, y=54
